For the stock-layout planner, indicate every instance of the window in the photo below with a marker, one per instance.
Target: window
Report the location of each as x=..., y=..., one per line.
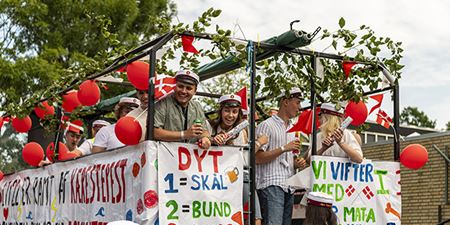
x=370, y=138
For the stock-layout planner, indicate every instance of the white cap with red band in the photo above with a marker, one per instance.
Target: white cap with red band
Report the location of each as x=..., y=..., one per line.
x=74, y=126
x=101, y=122
x=187, y=76
x=129, y=100
x=331, y=109
x=230, y=98
x=293, y=91
x=320, y=199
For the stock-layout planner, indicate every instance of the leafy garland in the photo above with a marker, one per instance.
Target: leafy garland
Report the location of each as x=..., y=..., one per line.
x=282, y=71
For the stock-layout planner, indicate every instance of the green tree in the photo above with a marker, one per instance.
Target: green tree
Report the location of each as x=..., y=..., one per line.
x=46, y=46
x=54, y=43
x=10, y=145
x=447, y=125
x=413, y=116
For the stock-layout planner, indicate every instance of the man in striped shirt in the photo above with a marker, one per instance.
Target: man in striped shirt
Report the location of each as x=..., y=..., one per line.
x=275, y=162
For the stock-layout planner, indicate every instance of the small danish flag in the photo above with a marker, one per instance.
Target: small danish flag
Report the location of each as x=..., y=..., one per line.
x=383, y=119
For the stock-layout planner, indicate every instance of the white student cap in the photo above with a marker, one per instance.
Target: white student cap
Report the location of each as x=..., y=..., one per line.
x=295, y=92
x=329, y=108
x=129, y=100
x=320, y=199
x=230, y=100
x=101, y=122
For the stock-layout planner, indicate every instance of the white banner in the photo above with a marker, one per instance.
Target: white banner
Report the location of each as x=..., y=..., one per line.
x=202, y=187
x=100, y=188
x=366, y=193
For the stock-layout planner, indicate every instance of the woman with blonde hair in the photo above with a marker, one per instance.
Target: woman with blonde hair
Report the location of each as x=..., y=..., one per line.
x=332, y=140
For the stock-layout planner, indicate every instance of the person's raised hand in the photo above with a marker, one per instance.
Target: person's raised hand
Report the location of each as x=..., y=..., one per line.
x=204, y=143
x=338, y=134
x=327, y=142
x=220, y=139
x=263, y=139
x=194, y=131
x=293, y=145
x=300, y=162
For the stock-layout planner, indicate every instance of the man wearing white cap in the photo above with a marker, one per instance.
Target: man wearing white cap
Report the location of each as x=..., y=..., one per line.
x=275, y=161
x=72, y=136
x=86, y=147
x=106, y=138
x=177, y=117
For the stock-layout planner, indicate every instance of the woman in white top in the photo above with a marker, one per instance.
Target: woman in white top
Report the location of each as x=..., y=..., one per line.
x=332, y=140
x=229, y=116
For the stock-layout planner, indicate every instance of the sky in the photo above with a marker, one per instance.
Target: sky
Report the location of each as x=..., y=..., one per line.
x=419, y=25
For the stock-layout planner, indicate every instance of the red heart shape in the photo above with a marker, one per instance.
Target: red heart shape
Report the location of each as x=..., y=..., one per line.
x=5, y=213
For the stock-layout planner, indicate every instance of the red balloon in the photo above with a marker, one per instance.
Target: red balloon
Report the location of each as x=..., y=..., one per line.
x=128, y=131
x=414, y=156
x=357, y=111
x=33, y=153
x=1, y=122
x=89, y=93
x=70, y=101
x=43, y=109
x=22, y=125
x=137, y=73
x=63, y=152
x=1, y=175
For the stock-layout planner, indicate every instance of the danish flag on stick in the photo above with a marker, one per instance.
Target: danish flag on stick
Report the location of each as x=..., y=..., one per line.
x=164, y=86
x=383, y=119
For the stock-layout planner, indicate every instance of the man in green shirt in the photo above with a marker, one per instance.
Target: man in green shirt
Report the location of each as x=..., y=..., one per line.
x=177, y=117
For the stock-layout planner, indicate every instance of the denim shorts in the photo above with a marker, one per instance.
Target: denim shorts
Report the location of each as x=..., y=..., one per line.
x=276, y=205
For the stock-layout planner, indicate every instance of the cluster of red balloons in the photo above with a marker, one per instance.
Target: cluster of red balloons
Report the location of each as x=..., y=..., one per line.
x=128, y=130
x=63, y=152
x=43, y=109
x=414, y=156
x=87, y=95
x=33, y=153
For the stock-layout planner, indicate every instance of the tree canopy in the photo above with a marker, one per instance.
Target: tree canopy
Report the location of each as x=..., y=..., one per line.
x=46, y=45
x=413, y=116
x=43, y=42
x=57, y=47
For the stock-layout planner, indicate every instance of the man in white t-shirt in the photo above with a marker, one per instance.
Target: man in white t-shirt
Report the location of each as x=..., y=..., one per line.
x=86, y=147
x=106, y=138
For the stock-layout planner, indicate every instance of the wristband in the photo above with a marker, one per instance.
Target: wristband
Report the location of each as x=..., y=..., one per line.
x=182, y=135
x=283, y=149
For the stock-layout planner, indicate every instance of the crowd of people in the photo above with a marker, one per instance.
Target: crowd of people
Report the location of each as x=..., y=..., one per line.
x=180, y=118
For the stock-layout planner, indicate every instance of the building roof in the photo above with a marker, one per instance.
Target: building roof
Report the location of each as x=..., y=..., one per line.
x=404, y=130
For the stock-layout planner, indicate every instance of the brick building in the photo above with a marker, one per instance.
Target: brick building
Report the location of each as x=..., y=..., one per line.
x=424, y=191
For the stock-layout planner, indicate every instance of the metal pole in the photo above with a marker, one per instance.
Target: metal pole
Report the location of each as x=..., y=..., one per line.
x=313, y=106
x=252, y=135
x=446, y=177
x=396, y=122
x=151, y=94
x=57, y=135
x=151, y=85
